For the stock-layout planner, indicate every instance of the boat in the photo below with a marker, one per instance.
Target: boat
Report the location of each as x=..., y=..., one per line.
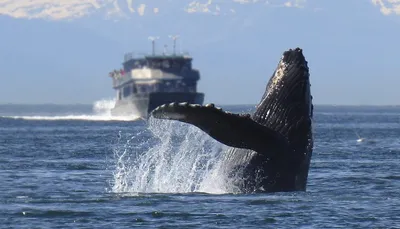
x=148, y=81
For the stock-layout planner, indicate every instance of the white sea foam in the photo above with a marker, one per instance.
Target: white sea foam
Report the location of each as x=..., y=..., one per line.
x=169, y=157
x=101, y=112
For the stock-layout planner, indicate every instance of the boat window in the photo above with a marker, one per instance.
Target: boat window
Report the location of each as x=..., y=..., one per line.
x=134, y=90
x=176, y=65
x=148, y=88
x=155, y=64
x=167, y=86
x=141, y=88
x=166, y=64
x=127, y=91
x=188, y=64
x=156, y=87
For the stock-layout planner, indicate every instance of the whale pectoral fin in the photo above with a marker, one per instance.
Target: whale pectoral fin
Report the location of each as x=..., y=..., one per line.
x=234, y=130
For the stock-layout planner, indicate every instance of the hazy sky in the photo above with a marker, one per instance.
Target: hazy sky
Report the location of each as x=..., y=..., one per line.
x=61, y=51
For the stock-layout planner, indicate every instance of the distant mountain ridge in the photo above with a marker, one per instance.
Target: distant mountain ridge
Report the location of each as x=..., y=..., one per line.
x=64, y=52
x=72, y=9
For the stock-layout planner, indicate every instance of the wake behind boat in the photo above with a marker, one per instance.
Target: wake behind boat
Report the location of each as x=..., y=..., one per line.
x=147, y=81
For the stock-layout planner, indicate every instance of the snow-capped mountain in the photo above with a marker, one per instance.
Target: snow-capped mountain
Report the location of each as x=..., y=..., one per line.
x=117, y=9
x=72, y=9
x=65, y=48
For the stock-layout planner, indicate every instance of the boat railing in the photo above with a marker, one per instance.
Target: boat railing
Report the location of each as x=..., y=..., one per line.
x=120, y=79
x=134, y=55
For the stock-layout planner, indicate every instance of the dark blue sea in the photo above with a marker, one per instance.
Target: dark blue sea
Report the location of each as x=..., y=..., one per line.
x=64, y=166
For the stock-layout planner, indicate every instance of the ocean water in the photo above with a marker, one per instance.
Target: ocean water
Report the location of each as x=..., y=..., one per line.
x=78, y=167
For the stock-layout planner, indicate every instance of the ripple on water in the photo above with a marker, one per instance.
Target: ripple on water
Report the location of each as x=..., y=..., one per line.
x=60, y=174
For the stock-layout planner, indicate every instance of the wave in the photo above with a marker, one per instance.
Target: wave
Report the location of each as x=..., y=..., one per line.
x=75, y=117
x=101, y=111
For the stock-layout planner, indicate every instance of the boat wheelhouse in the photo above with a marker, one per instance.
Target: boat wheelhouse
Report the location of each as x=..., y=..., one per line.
x=147, y=81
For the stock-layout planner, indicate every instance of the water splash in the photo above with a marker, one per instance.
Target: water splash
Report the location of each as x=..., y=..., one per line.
x=103, y=107
x=101, y=112
x=172, y=157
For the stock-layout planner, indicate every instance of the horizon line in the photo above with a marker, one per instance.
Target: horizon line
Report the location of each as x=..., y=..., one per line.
x=91, y=104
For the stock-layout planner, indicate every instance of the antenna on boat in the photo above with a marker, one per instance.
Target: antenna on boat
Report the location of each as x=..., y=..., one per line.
x=165, y=49
x=180, y=46
x=153, y=43
x=174, y=38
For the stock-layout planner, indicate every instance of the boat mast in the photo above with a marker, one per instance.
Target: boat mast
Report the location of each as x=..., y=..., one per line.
x=174, y=38
x=165, y=50
x=153, y=39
